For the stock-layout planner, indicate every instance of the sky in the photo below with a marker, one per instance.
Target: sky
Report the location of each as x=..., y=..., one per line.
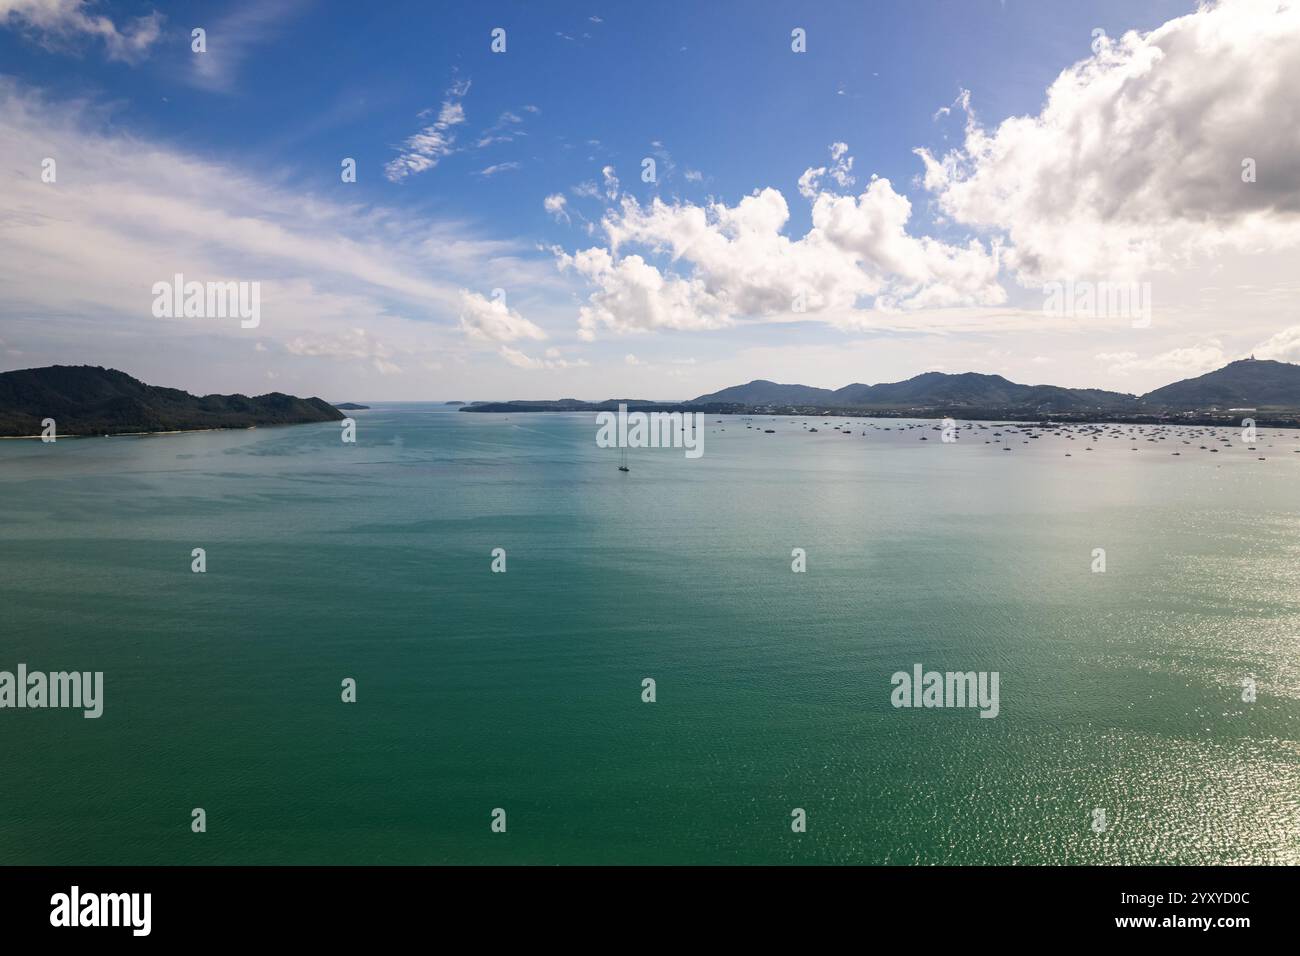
x=616, y=199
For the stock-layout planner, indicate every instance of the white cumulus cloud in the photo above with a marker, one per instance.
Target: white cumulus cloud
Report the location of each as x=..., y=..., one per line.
x=1135, y=162
x=490, y=320
x=555, y=205
x=727, y=263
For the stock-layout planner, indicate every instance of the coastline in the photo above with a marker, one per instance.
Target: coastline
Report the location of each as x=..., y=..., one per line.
x=1032, y=419
x=172, y=431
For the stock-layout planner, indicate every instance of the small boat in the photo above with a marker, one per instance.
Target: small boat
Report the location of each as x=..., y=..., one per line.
x=622, y=464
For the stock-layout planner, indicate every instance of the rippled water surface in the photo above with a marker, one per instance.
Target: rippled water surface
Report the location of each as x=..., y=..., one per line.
x=1119, y=690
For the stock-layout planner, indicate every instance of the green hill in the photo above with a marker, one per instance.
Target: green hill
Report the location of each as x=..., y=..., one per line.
x=1248, y=383
x=89, y=400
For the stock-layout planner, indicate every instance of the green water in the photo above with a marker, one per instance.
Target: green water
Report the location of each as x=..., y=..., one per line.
x=1118, y=690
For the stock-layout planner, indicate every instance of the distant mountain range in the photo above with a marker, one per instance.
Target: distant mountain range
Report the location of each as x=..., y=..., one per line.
x=1249, y=383
x=927, y=390
x=88, y=400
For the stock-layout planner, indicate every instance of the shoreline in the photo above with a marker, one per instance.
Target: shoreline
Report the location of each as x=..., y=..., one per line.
x=172, y=431
x=970, y=415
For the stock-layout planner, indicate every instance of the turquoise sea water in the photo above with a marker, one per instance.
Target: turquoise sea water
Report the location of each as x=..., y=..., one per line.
x=1118, y=690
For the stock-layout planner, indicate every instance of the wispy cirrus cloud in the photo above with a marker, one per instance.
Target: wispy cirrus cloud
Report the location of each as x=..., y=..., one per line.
x=233, y=37
x=425, y=149
x=496, y=168
x=348, y=290
x=1181, y=362
x=504, y=130
x=64, y=24
x=553, y=359
x=355, y=343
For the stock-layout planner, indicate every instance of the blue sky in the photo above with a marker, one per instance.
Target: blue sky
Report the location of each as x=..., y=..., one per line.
x=244, y=144
x=717, y=85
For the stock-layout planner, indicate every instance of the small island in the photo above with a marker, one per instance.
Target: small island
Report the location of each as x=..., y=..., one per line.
x=351, y=407
x=90, y=400
x=453, y=403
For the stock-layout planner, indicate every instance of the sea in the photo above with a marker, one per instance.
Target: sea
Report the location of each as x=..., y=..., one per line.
x=1141, y=610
